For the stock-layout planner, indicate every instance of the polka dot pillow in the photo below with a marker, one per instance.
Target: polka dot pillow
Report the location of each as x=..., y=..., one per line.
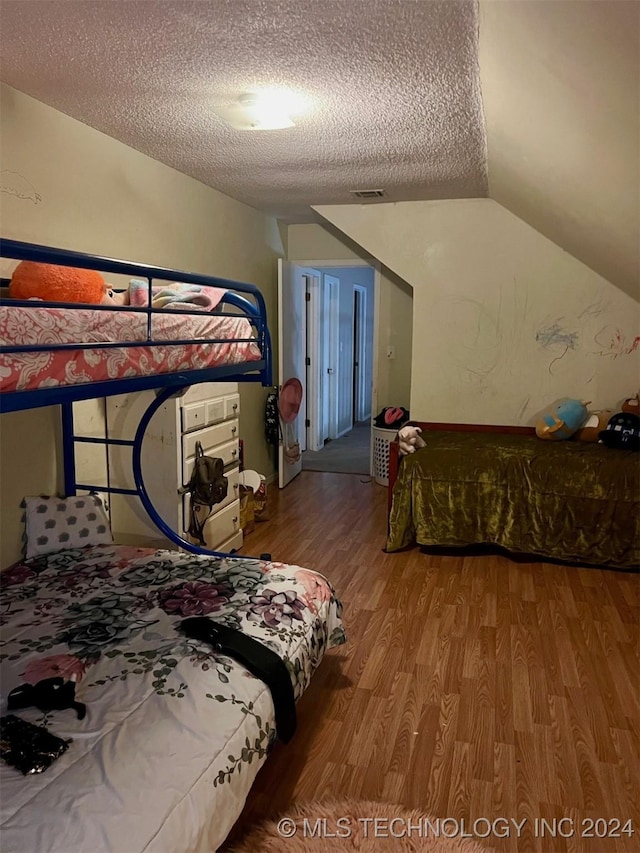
x=55, y=524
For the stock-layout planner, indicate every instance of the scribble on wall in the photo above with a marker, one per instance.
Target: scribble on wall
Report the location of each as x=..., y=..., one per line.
x=479, y=339
x=486, y=332
x=12, y=183
x=523, y=408
x=554, y=335
x=612, y=341
x=594, y=309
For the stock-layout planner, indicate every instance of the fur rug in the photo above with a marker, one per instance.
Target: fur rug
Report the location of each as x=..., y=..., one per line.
x=342, y=826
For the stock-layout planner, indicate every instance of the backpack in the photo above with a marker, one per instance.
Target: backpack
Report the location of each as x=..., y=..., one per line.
x=207, y=487
x=271, y=419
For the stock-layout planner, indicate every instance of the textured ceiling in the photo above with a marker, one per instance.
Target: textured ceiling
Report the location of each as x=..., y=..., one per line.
x=535, y=103
x=393, y=85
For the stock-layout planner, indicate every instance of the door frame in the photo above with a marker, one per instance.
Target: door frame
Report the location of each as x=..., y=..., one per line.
x=323, y=306
x=314, y=379
x=292, y=362
x=325, y=265
x=359, y=350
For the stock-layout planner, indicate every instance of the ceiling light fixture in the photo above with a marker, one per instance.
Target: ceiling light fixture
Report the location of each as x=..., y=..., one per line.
x=264, y=112
x=263, y=109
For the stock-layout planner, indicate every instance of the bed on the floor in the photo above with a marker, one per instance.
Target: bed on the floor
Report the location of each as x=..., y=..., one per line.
x=174, y=732
x=502, y=486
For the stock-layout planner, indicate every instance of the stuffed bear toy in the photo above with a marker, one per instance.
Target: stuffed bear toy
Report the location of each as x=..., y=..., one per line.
x=632, y=405
x=593, y=426
x=563, y=422
x=410, y=440
x=52, y=283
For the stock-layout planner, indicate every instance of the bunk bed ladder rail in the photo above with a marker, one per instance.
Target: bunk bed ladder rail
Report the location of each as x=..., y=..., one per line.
x=72, y=486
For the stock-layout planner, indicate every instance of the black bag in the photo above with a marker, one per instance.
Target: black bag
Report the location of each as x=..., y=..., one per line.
x=207, y=487
x=391, y=417
x=28, y=748
x=271, y=419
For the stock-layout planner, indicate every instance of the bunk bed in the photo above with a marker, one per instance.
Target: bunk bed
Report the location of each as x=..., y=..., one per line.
x=175, y=728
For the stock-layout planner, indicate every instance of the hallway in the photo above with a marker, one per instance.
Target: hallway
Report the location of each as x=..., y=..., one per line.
x=350, y=454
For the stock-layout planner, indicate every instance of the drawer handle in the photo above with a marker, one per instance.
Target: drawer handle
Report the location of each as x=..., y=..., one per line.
x=234, y=407
x=234, y=430
x=234, y=452
x=235, y=519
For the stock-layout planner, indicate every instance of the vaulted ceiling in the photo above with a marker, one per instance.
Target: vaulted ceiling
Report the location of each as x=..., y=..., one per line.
x=534, y=103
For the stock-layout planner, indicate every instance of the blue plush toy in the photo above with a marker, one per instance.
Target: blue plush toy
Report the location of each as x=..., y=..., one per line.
x=564, y=421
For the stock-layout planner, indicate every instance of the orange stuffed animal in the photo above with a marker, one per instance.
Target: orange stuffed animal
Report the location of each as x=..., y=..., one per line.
x=57, y=284
x=632, y=405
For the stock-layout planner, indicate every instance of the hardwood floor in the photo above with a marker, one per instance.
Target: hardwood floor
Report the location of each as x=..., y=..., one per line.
x=471, y=687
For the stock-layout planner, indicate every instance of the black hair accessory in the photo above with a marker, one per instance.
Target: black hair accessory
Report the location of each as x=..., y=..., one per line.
x=50, y=694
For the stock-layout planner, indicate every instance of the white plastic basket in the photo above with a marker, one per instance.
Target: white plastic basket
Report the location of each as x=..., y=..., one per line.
x=381, y=440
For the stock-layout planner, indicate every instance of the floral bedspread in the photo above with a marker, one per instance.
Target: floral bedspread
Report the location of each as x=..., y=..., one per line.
x=175, y=732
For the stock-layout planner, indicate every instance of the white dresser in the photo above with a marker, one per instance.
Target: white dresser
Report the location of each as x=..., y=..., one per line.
x=207, y=413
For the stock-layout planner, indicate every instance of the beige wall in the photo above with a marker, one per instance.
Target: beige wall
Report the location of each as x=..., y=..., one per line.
x=561, y=97
x=504, y=321
x=67, y=185
x=391, y=378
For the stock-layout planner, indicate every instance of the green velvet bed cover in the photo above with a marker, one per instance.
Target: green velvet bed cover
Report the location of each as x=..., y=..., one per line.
x=567, y=500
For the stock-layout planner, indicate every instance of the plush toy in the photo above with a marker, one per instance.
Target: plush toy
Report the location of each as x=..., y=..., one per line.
x=632, y=405
x=593, y=426
x=563, y=422
x=54, y=283
x=410, y=440
x=622, y=432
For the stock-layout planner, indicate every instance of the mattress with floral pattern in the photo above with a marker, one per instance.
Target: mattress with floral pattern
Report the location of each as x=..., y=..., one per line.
x=26, y=326
x=175, y=732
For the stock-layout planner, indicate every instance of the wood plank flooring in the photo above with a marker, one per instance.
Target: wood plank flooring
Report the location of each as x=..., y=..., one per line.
x=471, y=687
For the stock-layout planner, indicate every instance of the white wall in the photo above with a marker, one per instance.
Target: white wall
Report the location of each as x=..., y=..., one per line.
x=561, y=98
x=67, y=185
x=392, y=380
x=504, y=322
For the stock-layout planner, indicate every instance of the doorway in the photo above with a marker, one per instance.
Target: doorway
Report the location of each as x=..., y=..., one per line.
x=346, y=320
x=337, y=304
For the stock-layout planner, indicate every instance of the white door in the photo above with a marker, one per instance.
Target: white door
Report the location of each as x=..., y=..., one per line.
x=292, y=345
x=330, y=355
x=314, y=434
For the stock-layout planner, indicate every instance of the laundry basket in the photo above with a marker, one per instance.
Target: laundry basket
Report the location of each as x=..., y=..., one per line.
x=381, y=439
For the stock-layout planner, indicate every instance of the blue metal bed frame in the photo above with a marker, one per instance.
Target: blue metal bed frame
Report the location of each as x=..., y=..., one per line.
x=242, y=298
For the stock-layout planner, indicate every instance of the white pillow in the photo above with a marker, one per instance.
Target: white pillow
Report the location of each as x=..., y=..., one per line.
x=56, y=524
